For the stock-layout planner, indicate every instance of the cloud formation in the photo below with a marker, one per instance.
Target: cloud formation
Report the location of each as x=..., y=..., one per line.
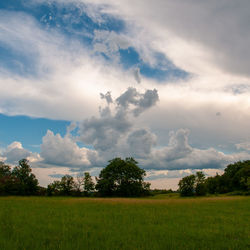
x=63, y=151
x=15, y=152
x=104, y=132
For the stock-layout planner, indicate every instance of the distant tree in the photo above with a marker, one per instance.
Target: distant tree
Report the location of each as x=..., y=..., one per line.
x=235, y=178
x=27, y=182
x=238, y=175
x=88, y=183
x=54, y=188
x=200, y=186
x=7, y=181
x=78, y=184
x=187, y=185
x=67, y=185
x=213, y=184
x=5, y=170
x=122, y=178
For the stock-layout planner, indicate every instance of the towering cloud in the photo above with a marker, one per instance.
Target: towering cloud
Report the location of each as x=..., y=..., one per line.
x=114, y=123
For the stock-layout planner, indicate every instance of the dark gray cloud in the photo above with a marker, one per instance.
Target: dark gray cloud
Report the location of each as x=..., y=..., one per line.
x=147, y=100
x=141, y=102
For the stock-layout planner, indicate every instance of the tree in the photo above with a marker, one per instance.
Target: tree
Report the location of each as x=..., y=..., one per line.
x=122, y=178
x=54, y=188
x=213, y=184
x=88, y=183
x=78, y=184
x=235, y=178
x=200, y=186
x=5, y=170
x=67, y=184
x=238, y=175
x=28, y=184
x=187, y=185
x=7, y=181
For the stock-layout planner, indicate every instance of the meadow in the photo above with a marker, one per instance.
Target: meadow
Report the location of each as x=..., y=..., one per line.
x=161, y=222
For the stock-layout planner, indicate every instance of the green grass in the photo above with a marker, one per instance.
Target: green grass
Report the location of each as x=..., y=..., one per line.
x=163, y=222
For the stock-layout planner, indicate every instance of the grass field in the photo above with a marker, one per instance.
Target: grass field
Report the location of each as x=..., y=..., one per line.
x=94, y=223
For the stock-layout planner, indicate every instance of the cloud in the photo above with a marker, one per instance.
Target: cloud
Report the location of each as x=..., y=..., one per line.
x=104, y=132
x=141, y=102
x=110, y=43
x=238, y=89
x=107, y=97
x=137, y=75
x=63, y=151
x=15, y=152
x=243, y=145
x=46, y=53
x=140, y=143
x=195, y=22
x=180, y=155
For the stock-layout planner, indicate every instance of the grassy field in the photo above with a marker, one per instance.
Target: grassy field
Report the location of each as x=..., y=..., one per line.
x=94, y=223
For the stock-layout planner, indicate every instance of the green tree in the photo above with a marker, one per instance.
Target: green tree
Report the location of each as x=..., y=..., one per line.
x=54, y=188
x=200, y=186
x=7, y=181
x=67, y=185
x=213, y=184
x=88, y=183
x=239, y=174
x=122, y=178
x=28, y=184
x=235, y=178
x=187, y=185
x=5, y=170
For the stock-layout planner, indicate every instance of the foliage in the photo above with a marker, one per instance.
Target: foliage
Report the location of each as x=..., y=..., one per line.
x=200, y=186
x=63, y=187
x=67, y=185
x=88, y=183
x=235, y=178
x=186, y=185
x=28, y=184
x=19, y=181
x=54, y=188
x=193, y=185
x=122, y=178
x=161, y=191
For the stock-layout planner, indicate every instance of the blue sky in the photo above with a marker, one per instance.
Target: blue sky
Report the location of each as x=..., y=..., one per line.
x=168, y=85
x=28, y=130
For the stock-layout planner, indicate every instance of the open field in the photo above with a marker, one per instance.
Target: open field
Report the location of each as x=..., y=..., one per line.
x=101, y=223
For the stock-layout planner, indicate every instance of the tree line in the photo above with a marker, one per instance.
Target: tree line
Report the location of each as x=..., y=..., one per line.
x=121, y=178
x=235, y=179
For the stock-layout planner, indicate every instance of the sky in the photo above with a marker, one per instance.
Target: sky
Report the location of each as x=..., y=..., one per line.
x=166, y=82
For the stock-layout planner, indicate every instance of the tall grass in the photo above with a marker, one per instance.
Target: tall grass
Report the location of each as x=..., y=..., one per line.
x=165, y=223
